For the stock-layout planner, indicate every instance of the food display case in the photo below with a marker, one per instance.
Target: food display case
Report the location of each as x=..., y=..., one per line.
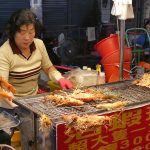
x=127, y=128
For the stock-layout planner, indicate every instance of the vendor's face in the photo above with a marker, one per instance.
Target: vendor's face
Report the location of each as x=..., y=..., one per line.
x=148, y=28
x=24, y=37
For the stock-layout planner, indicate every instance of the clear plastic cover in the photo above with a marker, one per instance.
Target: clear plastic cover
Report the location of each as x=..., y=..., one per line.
x=7, y=120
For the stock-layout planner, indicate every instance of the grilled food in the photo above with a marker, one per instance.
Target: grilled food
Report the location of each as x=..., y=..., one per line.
x=144, y=81
x=83, y=95
x=111, y=106
x=88, y=95
x=45, y=122
x=6, y=89
x=78, y=97
x=63, y=100
x=83, y=123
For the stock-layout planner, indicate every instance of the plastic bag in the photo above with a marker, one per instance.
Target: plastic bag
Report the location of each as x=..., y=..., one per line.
x=82, y=78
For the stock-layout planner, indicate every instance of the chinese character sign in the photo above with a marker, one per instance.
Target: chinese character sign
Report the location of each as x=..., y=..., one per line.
x=129, y=130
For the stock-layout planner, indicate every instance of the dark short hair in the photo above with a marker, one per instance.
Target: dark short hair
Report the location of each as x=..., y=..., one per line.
x=19, y=18
x=147, y=22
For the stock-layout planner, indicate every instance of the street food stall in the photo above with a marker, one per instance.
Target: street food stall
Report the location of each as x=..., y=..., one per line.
x=109, y=116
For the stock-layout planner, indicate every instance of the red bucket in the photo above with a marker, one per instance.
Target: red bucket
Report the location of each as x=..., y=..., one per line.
x=107, y=45
x=115, y=56
x=112, y=71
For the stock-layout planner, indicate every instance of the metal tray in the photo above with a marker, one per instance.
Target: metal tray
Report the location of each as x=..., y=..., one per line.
x=8, y=121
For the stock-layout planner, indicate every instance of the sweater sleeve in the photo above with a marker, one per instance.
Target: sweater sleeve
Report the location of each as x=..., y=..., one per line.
x=53, y=74
x=4, y=62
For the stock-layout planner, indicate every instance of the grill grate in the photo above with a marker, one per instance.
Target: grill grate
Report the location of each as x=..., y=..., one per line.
x=126, y=91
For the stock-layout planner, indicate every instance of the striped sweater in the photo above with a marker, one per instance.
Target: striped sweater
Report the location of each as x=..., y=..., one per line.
x=23, y=73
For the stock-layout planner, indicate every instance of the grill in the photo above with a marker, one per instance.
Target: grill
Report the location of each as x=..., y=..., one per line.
x=126, y=91
x=31, y=107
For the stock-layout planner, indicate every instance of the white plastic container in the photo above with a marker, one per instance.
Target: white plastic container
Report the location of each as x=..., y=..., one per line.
x=81, y=78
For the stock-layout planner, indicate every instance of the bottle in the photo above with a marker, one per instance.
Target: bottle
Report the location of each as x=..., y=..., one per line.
x=84, y=67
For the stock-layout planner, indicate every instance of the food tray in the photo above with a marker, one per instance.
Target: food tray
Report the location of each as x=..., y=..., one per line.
x=7, y=121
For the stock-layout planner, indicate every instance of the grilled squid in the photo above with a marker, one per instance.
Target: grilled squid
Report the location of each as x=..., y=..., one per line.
x=111, y=106
x=6, y=89
x=45, y=122
x=88, y=95
x=144, y=81
x=64, y=100
x=82, y=123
